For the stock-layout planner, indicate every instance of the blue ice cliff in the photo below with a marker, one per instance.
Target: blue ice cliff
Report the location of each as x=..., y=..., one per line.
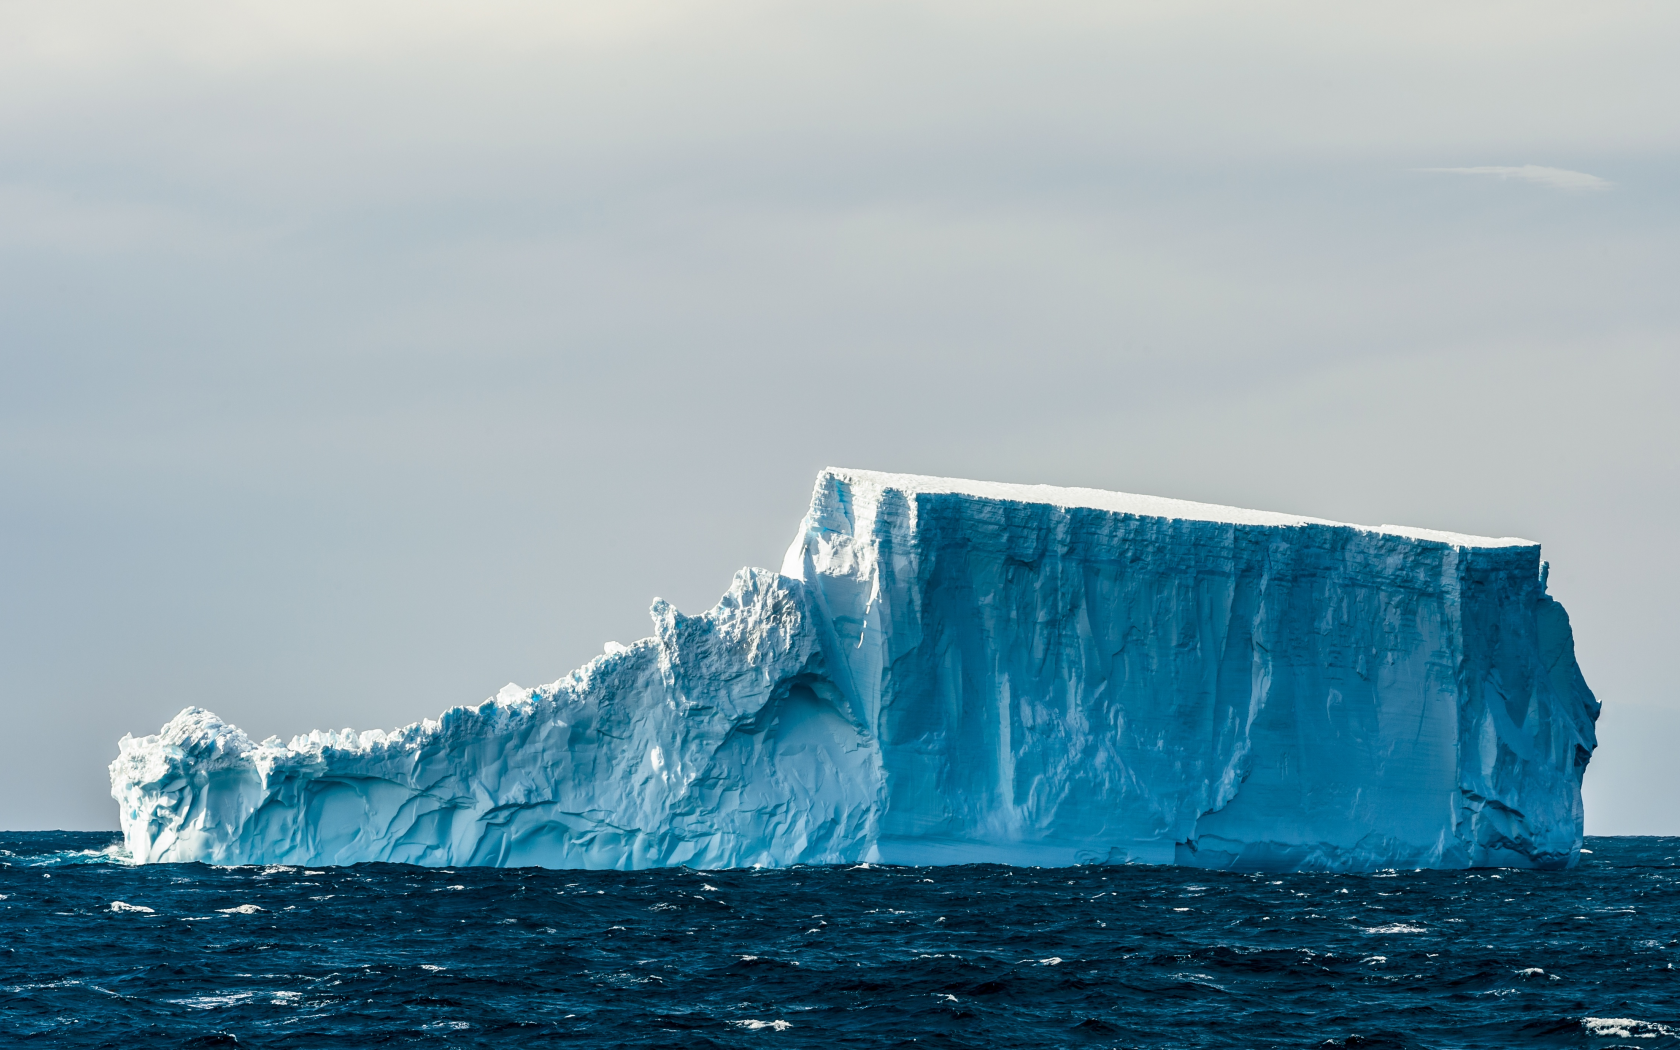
x=949, y=671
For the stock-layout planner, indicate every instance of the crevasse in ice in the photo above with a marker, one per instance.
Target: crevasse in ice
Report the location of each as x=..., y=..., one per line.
x=948, y=672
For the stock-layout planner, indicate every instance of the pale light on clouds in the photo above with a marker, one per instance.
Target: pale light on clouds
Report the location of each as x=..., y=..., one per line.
x=1557, y=178
x=368, y=356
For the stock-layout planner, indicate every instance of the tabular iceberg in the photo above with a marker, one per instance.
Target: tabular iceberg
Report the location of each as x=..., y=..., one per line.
x=947, y=672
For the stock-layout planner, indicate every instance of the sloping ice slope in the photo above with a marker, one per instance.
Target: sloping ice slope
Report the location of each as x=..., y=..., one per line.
x=949, y=671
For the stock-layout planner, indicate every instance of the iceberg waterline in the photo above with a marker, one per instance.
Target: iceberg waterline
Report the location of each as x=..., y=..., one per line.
x=950, y=672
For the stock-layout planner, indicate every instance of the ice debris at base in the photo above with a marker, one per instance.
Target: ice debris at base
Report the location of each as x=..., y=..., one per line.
x=949, y=671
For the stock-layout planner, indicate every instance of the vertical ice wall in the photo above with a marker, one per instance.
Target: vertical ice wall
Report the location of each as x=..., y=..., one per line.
x=952, y=671
x=1063, y=675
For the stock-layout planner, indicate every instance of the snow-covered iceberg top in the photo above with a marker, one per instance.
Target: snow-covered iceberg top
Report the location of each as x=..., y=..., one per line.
x=952, y=671
x=1131, y=503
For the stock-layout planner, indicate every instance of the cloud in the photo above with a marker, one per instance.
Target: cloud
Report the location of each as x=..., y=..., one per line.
x=1557, y=178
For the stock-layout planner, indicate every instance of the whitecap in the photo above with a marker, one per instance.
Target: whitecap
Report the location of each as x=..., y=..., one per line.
x=1396, y=927
x=139, y=909
x=1624, y=1028
x=116, y=853
x=779, y=1026
x=1204, y=980
x=243, y=909
x=212, y=1002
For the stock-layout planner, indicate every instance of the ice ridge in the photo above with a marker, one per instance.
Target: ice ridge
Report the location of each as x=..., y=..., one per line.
x=949, y=671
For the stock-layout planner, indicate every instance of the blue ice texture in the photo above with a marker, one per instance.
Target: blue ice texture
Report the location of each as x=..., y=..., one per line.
x=948, y=672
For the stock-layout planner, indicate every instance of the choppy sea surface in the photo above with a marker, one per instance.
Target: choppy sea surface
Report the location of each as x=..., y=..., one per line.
x=98, y=953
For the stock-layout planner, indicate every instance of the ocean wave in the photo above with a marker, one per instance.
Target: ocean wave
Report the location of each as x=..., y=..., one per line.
x=983, y=955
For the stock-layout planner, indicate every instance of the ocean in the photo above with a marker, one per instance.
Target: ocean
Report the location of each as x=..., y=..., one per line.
x=98, y=953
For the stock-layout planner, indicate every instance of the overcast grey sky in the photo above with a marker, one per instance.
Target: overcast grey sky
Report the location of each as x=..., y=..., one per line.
x=358, y=358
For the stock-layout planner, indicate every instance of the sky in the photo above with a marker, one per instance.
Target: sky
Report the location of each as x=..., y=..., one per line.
x=359, y=358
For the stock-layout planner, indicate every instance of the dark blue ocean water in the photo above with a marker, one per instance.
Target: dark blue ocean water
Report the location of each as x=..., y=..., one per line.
x=979, y=956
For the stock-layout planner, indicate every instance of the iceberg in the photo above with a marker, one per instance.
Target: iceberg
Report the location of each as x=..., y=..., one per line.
x=949, y=672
